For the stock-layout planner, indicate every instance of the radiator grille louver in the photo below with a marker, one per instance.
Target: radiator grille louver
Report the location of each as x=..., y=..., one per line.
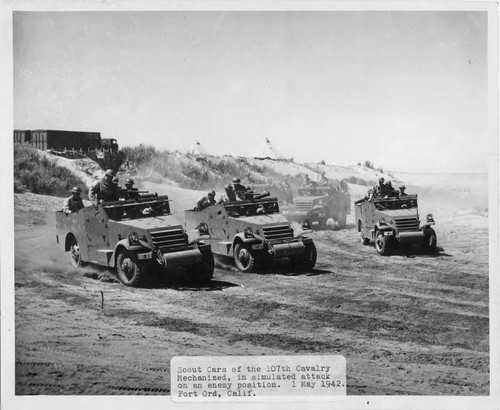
x=278, y=232
x=407, y=224
x=303, y=205
x=169, y=239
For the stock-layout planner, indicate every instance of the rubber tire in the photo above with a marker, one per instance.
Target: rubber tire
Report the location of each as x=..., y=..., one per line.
x=382, y=244
x=342, y=221
x=430, y=243
x=244, y=258
x=204, y=270
x=130, y=259
x=364, y=241
x=306, y=261
x=75, y=256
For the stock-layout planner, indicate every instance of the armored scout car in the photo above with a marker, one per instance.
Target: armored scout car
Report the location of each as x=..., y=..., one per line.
x=253, y=232
x=318, y=204
x=392, y=221
x=136, y=236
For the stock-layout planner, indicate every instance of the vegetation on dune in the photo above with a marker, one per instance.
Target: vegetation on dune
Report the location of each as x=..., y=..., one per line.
x=196, y=172
x=38, y=174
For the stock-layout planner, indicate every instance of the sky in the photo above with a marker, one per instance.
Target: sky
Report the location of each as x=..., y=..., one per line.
x=406, y=90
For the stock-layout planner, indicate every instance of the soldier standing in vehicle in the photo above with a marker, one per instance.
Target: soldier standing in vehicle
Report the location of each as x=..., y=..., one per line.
x=74, y=203
x=230, y=194
x=378, y=191
x=129, y=192
x=239, y=189
x=389, y=191
x=104, y=190
x=323, y=180
x=402, y=190
x=206, y=201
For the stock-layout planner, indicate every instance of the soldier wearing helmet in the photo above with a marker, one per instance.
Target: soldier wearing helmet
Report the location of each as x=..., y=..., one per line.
x=206, y=201
x=379, y=190
x=129, y=192
x=74, y=203
x=239, y=189
x=104, y=190
x=402, y=190
x=389, y=191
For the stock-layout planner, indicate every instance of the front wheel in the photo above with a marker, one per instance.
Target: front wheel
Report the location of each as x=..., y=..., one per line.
x=307, y=260
x=430, y=243
x=383, y=244
x=130, y=272
x=243, y=257
x=204, y=270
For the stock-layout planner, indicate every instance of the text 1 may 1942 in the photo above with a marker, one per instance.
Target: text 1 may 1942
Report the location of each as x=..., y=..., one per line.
x=257, y=378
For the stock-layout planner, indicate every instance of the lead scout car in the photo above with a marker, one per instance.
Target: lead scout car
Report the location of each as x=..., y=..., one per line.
x=136, y=236
x=393, y=221
x=253, y=232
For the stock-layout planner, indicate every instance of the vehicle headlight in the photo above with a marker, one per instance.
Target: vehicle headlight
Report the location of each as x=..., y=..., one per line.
x=306, y=224
x=429, y=218
x=248, y=232
x=381, y=221
x=202, y=228
x=133, y=238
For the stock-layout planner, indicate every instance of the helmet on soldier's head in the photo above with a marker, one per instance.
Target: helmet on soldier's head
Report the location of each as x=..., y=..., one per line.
x=402, y=187
x=228, y=187
x=212, y=193
x=389, y=183
x=236, y=180
x=129, y=182
x=76, y=190
x=110, y=172
x=115, y=180
x=381, y=179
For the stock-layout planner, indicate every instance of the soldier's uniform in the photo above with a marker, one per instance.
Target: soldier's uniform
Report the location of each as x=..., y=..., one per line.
x=402, y=191
x=74, y=203
x=206, y=201
x=230, y=194
x=104, y=190
x=239, y=189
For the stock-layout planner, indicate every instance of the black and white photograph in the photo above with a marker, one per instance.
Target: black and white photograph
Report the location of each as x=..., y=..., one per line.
x=245, y=180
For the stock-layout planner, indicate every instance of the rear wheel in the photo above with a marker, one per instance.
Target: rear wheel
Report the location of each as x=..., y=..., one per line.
x=75, y=256
x=243, y=257
x=130, y=271
x=383, y=244
x=364, y=240
x=430, y=243
x=307, y=260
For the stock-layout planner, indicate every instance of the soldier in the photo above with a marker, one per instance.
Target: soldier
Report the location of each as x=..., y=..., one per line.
x=129, y=192
x=74, y=202
x=104, y=190
x=389, y=190
x=239, y=189
x=322, y=179
x=230, y=194
x=307, y=180
x=206, y=201
x=378, y=191
x=402, y=190
x=116, y=181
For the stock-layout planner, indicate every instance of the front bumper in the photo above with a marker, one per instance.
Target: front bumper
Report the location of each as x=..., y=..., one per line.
x=281, y=250
x=411, y=237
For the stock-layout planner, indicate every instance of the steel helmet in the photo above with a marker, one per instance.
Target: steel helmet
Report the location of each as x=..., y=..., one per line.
x=76, y=190
x=212, y=192
x=236, y=180
x=129, y=182
x=381, y=179
x=116, y=180
x=229, y=187
x=110, y=172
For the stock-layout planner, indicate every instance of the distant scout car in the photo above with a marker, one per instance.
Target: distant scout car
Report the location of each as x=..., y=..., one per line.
x=136, y=236
x=394, y=221
x=253, y=232
x=318, y=204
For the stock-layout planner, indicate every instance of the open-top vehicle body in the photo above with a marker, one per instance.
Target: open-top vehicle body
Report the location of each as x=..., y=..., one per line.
x=136, y=236
x=318, y=204
x=392, y=221
x=253, y=232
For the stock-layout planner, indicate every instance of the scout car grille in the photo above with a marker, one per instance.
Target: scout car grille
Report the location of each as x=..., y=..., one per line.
x=407, y=224
x=171, y=238
x=278, y=232
x=303, y=205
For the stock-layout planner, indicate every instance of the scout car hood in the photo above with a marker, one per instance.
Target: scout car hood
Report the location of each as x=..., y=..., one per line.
x=150, y=222
x=261, y=220
x=398, y=213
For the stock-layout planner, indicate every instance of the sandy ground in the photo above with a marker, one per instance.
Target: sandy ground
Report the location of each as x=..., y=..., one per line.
x=408, y=324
